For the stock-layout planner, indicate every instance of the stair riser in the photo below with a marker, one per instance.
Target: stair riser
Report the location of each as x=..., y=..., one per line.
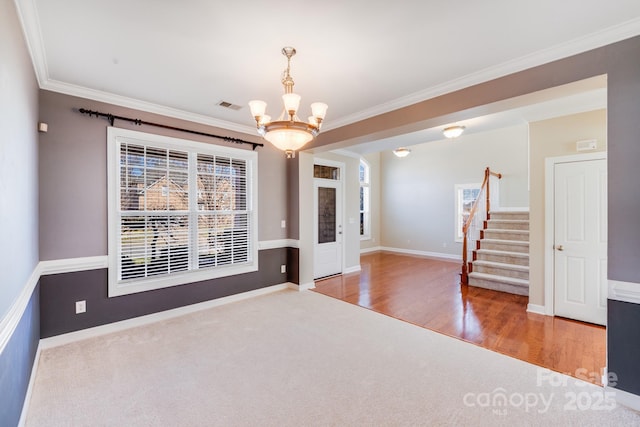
x=492, y=225
x=510, y=215
x=505, y=259
x=498, y=286
x=504, y=247
x=501, y=235
x=498, y=271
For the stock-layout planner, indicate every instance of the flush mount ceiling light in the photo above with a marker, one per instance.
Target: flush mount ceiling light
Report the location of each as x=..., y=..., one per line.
x=401, y=152
x=288, y=133
x=453, y=131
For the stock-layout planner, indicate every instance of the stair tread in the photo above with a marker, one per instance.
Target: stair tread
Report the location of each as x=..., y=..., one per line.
x=510, y=242
x=506, y=230
x=510, y=212
x=496, y=278
x=509, y=221
x=496, y=252
x=501, y=265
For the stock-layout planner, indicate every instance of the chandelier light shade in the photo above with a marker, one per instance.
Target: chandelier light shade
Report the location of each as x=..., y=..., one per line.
x=401, y=152
x=288, y=132
x=453, y=131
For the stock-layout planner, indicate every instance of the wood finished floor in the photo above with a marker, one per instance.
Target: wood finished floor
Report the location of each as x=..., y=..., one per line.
x=427, y=293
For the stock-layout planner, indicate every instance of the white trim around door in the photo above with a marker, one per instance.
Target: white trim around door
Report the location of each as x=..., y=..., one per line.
x=549, y=221
x=340, y=184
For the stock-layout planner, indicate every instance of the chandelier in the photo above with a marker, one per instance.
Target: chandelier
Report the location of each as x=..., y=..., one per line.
x=288, y=133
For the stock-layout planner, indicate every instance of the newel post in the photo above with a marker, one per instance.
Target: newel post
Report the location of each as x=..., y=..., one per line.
x=464, y=275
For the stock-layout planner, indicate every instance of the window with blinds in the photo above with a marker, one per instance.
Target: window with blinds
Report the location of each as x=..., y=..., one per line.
x=180, y=211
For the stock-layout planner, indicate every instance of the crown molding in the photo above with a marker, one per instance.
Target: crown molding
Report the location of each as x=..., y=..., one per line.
x=123, y=101
x=30, y=21
x=578, y=45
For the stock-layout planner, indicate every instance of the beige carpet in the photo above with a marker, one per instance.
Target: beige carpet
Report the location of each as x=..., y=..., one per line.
x=301, y=359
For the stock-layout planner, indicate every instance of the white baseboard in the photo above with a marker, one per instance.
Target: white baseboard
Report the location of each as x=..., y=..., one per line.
x=302, y=287
x=537, y=309
x=27, y=397
x=354, y=269
x=70, y=337
x=425, y=254
x=625, y=398
x=624, y=291
x=369, y=250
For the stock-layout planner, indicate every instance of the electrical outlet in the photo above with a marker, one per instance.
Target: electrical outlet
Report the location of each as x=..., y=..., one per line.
x=283, y=224
x=81, y=306
x=283, y=268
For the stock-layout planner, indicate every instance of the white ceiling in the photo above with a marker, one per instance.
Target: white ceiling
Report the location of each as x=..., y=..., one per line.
x=361, y=57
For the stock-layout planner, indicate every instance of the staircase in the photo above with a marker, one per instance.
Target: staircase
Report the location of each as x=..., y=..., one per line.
x=501, y=260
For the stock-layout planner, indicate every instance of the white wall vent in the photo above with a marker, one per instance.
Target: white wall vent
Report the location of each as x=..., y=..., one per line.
x=226, y=104
x=586, y=145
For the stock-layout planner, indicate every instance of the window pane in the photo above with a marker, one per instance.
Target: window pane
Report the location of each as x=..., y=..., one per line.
x=177, y=210
x=326, y=215
x=178, y=160
x=326, y=172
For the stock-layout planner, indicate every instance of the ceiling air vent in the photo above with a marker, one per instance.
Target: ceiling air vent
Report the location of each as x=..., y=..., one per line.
x=229, y=105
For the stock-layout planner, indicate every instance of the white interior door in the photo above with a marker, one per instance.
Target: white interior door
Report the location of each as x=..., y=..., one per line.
x=328, y=228
x=580, y=235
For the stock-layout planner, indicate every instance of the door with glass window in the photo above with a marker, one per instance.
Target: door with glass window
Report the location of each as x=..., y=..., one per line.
x=328, y=228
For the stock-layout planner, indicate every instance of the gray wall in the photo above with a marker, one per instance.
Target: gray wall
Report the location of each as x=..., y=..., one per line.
x=73, y=175
x=16, y=362
x=18, y=160
x=60, y=291
x=18, y=211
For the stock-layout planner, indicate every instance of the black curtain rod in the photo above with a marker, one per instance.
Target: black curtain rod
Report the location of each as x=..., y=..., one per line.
x=111, y=118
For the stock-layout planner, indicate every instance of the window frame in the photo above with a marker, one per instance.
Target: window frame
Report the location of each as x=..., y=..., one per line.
x=458, y=224
x=365, y=189
x=116, y=136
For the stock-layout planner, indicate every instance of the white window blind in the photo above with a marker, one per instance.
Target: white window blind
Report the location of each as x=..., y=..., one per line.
x=180, y=211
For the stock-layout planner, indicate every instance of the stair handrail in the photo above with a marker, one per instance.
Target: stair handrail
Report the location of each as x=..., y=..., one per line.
x=480, y=202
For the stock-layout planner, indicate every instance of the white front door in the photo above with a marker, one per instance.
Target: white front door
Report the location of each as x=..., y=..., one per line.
x=580, y=240
x=328, y=228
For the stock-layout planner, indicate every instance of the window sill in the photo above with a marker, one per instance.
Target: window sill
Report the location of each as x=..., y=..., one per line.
x=160, y=282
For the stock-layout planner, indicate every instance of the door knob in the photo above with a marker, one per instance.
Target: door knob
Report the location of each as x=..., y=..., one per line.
x=560, y=247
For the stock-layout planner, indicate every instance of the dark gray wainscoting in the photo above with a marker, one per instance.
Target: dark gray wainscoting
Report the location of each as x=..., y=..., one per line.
x=16, y=362
x=59, y=292
x=623, y=344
